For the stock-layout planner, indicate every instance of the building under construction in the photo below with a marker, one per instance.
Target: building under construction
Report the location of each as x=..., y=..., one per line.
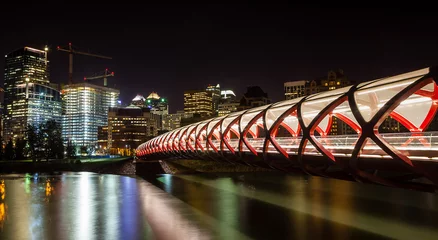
x=85, y=108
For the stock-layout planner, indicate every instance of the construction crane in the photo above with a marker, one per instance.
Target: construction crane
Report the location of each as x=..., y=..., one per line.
x=71, y=51
x=105, y=75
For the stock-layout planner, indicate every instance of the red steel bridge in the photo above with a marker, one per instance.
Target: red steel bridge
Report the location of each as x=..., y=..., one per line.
x=297, y=135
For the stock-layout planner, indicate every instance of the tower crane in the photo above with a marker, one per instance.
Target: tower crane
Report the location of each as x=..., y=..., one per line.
x=71, y=51
x=105, y=75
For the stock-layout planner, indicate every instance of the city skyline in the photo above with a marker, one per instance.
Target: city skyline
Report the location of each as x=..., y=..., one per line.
x=190, y=46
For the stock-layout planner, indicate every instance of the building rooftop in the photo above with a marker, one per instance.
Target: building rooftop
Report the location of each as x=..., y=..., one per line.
x=139, y=97
x=153, y=95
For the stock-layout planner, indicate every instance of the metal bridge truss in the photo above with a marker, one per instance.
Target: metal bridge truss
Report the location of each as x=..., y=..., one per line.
x=295, y=134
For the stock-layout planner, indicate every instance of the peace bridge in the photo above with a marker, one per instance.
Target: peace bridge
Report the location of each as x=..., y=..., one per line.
x=294, y=135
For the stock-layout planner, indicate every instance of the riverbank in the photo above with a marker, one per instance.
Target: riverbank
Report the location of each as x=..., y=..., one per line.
x=121, y=166
x=127, y=166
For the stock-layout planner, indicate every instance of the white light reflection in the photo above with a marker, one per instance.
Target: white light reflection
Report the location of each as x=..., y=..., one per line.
x=111, y=207
x=166, y=222
x=84, y=216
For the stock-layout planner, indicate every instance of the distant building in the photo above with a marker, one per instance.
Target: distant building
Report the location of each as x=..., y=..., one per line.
x=227, y=108
x=173, y=121
x=139, y=101
x=127, y=128
x=254, y=97
x=295, y=89
x=215, y=96
x=228, y=95
x=85, y=109
x=228, y=103
x=2, y=106
x=334, y=80
x=29, y=97
x=198, y=102
x=157, y=104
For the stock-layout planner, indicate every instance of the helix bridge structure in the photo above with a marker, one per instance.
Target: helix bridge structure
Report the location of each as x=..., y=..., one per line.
x=335, y=134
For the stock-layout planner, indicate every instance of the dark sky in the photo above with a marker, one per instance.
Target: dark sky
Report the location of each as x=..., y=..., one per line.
x=171, y=48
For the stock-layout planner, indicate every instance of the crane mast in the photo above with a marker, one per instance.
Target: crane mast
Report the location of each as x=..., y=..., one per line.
x=70, y=52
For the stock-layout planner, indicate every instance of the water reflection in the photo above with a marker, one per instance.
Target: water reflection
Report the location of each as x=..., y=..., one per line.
x=71, y=206
x=289, y=207
x=170, y=218
x=2, y=203
x=94, y=206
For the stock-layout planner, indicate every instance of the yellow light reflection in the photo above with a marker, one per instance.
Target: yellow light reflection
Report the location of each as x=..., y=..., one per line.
x=49, y=188
x=2, y=189
x=3, y=206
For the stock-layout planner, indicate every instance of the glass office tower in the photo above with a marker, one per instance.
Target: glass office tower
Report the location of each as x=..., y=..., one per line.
x=29, y=98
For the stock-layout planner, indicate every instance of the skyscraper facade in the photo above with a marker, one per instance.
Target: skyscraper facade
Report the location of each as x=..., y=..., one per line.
x=294, y=89
x=29, y=97
x=85, y=109
x=198, y=102
x=127, y=128
x=215, y=96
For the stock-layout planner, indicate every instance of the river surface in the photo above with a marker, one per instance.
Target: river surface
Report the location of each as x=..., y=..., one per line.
x=235, y=206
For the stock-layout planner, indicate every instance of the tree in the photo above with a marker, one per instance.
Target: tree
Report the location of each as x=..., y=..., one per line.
x=45, y=141
x=90, y=150
x=53, y=143
x=20, y=145
x=9, y=150
x=33, y=142
x=71, y=150
x=83, y=150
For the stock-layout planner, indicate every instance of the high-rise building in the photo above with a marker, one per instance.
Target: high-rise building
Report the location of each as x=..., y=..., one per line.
x=215, y=96
x=227, y=108
x=228, y=103
x=228, y=95
x=294, y=89
x=157, y=104
x=86, y=108
x=198, y=102
x=139, y=101
x=173, y=121
x=127, y=128
x=29, y=97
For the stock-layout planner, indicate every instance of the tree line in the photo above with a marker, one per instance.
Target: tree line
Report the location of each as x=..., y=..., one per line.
x=41, y=142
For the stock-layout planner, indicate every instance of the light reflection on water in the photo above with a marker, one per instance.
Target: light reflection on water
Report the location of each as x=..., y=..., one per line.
x=235, y=206
x=263, y=206
x=90, y=206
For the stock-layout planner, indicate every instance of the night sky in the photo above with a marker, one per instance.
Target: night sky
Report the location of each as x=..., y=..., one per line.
x=172, y=48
